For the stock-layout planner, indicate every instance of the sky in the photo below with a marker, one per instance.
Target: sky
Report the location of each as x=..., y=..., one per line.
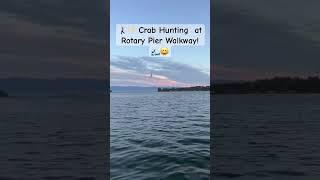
x=66, y=38
x=52, y=39
x=188, y=65
x=258, y=39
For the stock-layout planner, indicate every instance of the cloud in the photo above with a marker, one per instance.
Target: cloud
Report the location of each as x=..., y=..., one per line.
x=165, y=72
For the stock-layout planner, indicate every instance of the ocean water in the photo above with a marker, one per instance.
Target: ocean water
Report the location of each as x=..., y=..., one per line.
x=266, y=137
x=160, y=136
x=53, y=138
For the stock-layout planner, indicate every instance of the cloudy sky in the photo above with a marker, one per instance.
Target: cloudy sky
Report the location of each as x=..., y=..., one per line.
x=52, y=39
x=261, y=39
x=188, y=65
x=135, y=71
x=253, y=38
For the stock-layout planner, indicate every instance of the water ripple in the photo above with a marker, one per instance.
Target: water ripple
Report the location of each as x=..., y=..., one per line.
x=160, y=136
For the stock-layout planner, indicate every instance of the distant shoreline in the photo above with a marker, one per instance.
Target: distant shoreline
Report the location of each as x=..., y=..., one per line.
x=194, y=88
x=276, y=85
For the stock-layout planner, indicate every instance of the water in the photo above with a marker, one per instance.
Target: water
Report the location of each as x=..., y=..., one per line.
x=267, y=137
x=52, y=138
x=160, y=135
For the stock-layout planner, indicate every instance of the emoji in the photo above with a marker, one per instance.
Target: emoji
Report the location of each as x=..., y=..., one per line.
x=164, y=51
x=132, y=29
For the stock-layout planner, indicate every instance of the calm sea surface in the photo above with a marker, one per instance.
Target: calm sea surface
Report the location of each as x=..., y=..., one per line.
x=160, y=135
x=52, y=138
x=267, y=137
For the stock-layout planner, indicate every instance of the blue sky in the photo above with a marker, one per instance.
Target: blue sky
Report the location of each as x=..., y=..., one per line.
x=160, y=12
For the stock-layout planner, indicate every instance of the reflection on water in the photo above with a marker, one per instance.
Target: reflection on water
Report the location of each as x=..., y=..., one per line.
x=160, y=135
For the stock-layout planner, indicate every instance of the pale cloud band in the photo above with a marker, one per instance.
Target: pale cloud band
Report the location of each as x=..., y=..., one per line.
x=146, y=71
